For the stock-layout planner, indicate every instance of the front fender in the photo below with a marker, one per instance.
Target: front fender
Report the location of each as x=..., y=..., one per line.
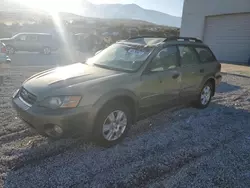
x=114, y=94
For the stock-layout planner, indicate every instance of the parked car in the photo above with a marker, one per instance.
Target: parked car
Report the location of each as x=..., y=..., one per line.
x=104, y=96
x=4, y=58
x=31, y=42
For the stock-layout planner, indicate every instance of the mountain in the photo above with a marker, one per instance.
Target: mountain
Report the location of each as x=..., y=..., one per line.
x=107, y=11
x=128, y=11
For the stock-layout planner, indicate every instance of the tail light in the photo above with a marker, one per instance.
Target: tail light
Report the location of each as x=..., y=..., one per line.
x=3, y=49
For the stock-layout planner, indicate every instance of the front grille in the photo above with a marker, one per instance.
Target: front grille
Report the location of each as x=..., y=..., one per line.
x=27, y=96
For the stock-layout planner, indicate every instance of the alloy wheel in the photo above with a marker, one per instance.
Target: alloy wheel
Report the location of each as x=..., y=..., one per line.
x=10, y=50
x=46, y=51
x=206, y=95
x=114, y=125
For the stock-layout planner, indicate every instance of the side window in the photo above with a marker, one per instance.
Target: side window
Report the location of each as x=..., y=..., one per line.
x=205, y=55
x=166, y=59
x=188, y=55
x=47, y=37
x=22, y=37
x=32, y=38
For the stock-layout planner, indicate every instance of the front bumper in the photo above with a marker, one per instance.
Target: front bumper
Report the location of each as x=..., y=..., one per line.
x=5, y=59
x=77, y=121
x=218, y=79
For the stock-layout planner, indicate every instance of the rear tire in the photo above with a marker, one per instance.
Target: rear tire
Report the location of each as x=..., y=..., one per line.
x=112, y=129
x=46, y=51
x=205, y=96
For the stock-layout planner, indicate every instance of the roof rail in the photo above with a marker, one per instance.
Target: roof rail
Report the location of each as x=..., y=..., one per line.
x=190, y=39
x=146, y=36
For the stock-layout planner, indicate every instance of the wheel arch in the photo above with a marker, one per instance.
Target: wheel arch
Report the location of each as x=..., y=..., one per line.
x=210, y=79
x=125, y=96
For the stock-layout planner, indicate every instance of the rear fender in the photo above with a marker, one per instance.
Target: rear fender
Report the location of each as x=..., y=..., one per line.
x=205, y=79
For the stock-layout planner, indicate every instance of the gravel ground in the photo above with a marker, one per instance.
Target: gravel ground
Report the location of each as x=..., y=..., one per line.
x=182, y=147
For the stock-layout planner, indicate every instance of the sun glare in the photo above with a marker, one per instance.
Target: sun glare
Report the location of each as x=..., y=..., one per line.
x=50, y=5
x=54, y=7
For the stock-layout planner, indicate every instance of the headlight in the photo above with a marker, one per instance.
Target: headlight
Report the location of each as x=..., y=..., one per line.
x=15, y=94
x=61, y=102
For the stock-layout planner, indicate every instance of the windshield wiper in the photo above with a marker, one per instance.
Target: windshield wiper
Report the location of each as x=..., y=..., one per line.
x=110, y=68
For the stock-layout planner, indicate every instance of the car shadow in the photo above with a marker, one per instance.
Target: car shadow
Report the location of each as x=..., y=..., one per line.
x=238, y=73
x=225, y=87
x=160, y=135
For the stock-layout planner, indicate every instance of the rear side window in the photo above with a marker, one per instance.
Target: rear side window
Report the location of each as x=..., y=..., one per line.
x=188, y=55
x=45, y=37
x=205, y=55
x=32, y=37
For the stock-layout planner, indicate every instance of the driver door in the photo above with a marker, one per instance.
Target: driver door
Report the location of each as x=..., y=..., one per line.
x=20, y=42
x=160, y=84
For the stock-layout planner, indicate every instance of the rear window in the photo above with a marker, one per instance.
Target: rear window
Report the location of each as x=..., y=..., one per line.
x=205, y=55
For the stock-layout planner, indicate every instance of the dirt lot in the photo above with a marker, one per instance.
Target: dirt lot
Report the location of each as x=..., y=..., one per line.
x=182, y=147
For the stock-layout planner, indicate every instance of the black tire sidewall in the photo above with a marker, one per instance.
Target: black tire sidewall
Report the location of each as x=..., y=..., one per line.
x=105, y=111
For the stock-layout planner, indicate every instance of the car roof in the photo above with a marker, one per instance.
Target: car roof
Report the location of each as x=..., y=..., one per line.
x=156, y=41
x=30, y=33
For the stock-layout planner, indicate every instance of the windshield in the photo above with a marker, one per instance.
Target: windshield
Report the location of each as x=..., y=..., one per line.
x=121, y=57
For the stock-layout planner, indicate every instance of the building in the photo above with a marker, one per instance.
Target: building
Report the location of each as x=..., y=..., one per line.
x=224, y=25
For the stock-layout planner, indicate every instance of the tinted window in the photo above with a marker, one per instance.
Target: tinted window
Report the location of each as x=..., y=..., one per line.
x=166, y=59
x=205, y=55
x=45, y=37
x=32, y=37
x=188, y=55
x=22, y=37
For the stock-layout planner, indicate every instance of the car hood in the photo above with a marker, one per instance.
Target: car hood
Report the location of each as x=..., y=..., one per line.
x=64, y=77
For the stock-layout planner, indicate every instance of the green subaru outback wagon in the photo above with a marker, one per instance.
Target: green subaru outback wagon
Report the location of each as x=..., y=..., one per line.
x=104, y=96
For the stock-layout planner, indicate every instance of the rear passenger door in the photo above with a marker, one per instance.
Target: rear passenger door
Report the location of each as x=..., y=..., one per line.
x=32, y=43
x=191, y=70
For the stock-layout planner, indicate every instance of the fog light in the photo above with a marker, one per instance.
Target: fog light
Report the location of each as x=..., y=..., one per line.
x=58, y=129
x=53, y=131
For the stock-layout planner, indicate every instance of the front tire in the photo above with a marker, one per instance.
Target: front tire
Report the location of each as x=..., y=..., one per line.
x=112, y=124
x=205, y=96
x=10, y=50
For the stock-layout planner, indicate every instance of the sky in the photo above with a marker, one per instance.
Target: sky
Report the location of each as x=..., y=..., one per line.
x=173, y=7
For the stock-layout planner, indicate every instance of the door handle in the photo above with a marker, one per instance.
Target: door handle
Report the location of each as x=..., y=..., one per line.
x=175, y=75
x=202, y=70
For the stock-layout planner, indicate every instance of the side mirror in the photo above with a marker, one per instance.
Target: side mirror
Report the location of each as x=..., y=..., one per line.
x=98, y=52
